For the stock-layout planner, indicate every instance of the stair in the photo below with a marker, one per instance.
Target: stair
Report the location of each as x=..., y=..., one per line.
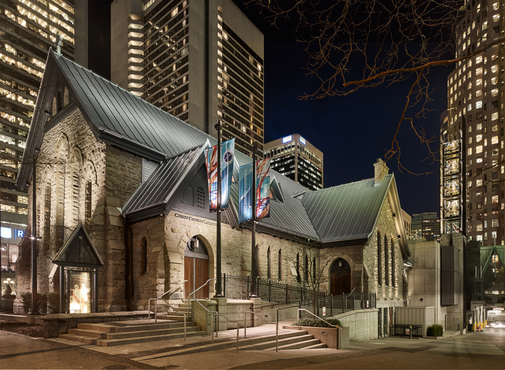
x=128, y=332
x=294, y=340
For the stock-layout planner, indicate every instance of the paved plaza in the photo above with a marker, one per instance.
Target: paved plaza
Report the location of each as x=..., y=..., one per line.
x=484, y=350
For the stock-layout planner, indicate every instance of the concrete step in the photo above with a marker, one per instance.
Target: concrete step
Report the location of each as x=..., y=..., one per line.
x=301, y=344
x=297, y=342
x=119, y=342
x=132, y=334
x=244, y=344
x=126, y=327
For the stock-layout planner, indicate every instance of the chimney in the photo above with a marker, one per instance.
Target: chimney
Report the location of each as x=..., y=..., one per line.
x=381, y=170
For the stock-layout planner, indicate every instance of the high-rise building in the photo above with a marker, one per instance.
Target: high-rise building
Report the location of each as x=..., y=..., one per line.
x=27, y=29
x=425, y=226
x=472, y=134
x=296, y=158
x=201, y=61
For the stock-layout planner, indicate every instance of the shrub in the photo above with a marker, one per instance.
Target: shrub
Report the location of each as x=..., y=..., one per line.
x=318, y=323
x=53, y=302
x=435, y=331
x=26, y=301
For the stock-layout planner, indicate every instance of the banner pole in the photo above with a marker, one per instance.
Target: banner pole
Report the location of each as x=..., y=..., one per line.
x=218, y=223
x=253, y=220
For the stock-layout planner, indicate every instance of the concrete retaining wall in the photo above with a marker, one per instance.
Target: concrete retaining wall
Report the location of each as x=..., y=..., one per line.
x=362, y=323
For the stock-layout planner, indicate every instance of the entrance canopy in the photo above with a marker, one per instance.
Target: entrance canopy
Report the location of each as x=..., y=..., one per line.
x=79, y=251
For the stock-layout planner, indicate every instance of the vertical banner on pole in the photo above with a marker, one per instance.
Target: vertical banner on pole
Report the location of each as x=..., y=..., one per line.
x=245, y=185
x=262, y=191
x=227, y=155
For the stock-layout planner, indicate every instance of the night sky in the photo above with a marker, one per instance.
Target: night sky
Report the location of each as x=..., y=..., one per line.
x=352, y=131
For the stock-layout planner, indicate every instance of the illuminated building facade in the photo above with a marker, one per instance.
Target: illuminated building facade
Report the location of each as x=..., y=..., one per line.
x=425, y=226
x=27, y=29
x=473, y=132
x=199, y=61
x=296, y=158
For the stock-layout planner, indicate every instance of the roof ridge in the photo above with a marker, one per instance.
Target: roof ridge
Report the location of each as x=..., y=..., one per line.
x=143, y=101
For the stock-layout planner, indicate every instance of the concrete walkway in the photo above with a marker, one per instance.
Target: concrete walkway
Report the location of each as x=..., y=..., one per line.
x=484, y=350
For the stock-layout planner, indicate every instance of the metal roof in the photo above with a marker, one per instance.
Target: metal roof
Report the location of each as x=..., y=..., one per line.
x=118, y=114
x=346, y=212
x=157, y=194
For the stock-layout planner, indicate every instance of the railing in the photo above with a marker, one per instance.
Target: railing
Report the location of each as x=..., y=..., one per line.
x=335, y=304
x=277, y=328
x=408, y=330
x=196, y=290
x=171, y=291
x=321, y=319
x=238, y=287
x=218, y=315
x=245, y=320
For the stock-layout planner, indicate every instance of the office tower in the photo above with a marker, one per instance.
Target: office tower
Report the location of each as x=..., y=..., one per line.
x=27, y=29
x=296, y=158
x=201, y=61
x=425, y=226
x=472, y=135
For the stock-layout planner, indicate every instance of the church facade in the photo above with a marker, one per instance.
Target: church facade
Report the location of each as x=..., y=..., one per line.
x=121, y=206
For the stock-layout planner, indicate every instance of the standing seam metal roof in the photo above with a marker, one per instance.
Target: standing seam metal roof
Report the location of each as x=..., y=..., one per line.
x=345, y=212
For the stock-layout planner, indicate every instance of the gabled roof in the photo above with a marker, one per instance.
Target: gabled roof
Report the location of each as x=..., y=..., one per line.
x=344, y=214
x=78, y=251
x=157, y=195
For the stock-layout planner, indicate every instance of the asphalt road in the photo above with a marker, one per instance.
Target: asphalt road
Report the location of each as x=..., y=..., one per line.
x=485, y=350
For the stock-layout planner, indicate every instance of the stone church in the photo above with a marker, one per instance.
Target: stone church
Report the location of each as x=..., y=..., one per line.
x=121, y=207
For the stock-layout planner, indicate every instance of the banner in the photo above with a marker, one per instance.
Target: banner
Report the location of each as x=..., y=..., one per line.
x=227, y=155
x=245, y=198
x=262, y=190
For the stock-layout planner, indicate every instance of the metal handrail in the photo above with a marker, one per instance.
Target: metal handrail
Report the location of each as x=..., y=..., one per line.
x=277, y=328
x=216, y=314
x=245, y=320
x=158, y=298
x=351, y=291
x=196, y=290
x=303, y=309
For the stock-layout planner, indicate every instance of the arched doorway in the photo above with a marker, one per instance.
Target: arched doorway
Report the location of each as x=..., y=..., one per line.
x=340, y=277
x=196, y=268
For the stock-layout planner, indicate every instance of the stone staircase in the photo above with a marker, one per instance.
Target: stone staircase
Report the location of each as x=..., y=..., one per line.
x=128, y=332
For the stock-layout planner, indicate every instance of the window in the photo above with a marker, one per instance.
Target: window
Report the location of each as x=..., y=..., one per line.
x=494, y=223
x=494, y=199
x=143, y=256
x=478, y=138
x=88, y=201
x=494, y=140
x=279, y=266
x=478, y=104
x=478, y=149
x=379, y=262
x=478, y=182
x=269, y=264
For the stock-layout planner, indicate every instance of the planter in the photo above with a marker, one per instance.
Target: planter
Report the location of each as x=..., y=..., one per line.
x=329, y=336
x=6, y=305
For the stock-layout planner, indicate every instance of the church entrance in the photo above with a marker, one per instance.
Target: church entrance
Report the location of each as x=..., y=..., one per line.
x=340, y=277
x=196, y=268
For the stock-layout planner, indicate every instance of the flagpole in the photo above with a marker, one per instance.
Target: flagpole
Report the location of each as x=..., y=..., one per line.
x=253, y=220
x=218, y=227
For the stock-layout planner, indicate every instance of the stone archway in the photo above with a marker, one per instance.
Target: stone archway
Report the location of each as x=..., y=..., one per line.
x=196, y=268
x=340, y=277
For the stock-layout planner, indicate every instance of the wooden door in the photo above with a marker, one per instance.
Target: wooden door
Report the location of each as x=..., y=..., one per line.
x=196, y=272
x=340, y=283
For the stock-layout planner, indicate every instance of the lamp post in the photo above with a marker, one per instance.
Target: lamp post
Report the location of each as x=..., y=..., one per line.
x=253, y=220
x=218, y=293
x=33, y=237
